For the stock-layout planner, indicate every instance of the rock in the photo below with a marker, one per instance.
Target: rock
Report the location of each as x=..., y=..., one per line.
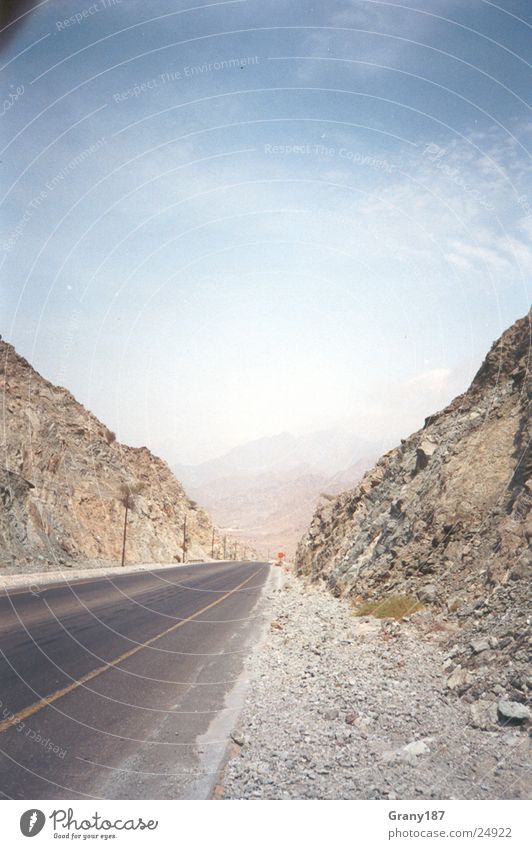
x=238, y=737
x=480, y=645
x=331, y=714
x=513, y=711
x=417, y=747
x=459, y=679
x=424, y=452
x=363, y=723
x=484, y=714
x=365, y=627
x=427, y=594
x=390, y=627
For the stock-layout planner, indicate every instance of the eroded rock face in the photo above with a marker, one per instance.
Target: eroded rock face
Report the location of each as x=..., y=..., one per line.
x=62, y=479
x=449, y=509
x=452, y=501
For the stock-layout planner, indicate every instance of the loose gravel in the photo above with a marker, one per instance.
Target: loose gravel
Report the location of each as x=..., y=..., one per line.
x=341, y=707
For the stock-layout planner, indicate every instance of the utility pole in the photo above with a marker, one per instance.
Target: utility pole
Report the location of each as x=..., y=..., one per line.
x=185, y=540
x=212, y=545
x=236, y=549
x=225, y=546
x=126, y=503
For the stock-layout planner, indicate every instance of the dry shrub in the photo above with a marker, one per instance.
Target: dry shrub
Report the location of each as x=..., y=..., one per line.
x=393, y=607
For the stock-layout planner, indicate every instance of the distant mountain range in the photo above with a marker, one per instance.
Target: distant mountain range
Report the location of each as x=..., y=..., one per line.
x=266, y=491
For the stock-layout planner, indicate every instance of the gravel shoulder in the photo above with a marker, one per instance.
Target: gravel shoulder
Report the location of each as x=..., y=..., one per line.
x=341, y=707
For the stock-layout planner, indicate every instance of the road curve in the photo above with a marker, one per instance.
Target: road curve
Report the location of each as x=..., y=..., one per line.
x=124, y=686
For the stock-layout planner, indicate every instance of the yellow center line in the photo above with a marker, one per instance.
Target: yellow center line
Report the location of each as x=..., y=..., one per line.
x=37, y=706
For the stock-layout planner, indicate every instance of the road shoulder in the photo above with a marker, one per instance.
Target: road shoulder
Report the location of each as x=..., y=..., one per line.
x=341, y=707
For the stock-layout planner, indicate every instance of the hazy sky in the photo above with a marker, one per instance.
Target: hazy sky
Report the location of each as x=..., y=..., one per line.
x=225, y=220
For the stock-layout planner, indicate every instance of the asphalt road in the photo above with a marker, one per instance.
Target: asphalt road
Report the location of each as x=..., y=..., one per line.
x=124, y=686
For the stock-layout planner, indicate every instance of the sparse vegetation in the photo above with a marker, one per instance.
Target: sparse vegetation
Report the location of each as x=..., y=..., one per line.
x=110, y=436
x=393, y=607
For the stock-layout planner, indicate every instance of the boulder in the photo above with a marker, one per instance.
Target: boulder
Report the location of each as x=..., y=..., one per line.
x=424, y=452
x=513, y=711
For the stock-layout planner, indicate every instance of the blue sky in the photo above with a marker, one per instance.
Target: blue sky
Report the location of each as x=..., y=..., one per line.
x=224, y=220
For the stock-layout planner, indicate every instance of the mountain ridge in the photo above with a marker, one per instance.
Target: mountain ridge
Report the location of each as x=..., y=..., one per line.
x=64, y=477
x=447, y=517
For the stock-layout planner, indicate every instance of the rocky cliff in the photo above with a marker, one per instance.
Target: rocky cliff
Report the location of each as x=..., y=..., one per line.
x=64, y=480
x=447, y=516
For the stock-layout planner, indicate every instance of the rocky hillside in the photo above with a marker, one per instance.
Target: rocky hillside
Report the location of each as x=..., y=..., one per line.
x=64, y=478
x=446, y=516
